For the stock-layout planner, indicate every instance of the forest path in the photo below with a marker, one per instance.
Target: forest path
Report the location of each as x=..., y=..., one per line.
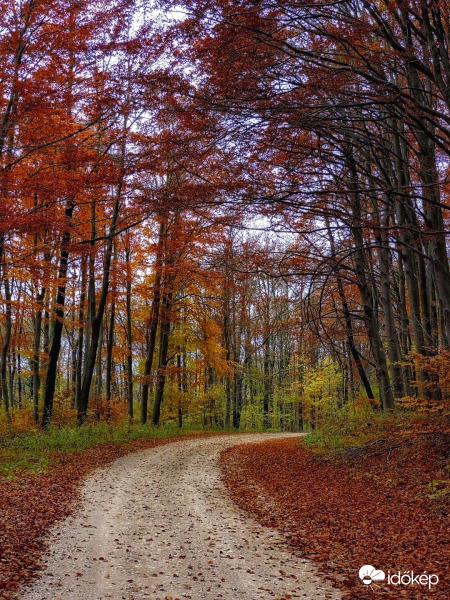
x=159, y=524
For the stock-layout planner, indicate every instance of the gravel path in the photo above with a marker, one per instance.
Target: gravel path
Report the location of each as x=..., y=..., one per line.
x=159, y=524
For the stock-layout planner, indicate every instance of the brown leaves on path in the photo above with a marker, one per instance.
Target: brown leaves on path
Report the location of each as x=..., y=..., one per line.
x=32, y=504
x=344, y=516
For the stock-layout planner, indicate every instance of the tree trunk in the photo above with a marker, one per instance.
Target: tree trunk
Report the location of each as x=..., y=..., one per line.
x=366, y=293
x=96, y=320
x=52, y=369
x=129, y=333
x=163, y=354
x=154, y=320
x=109, y=358
x=36, y=348
x=6, y=343
x=81, y=319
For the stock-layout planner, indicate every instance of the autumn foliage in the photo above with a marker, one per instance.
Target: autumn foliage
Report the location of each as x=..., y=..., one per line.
x=224, y=214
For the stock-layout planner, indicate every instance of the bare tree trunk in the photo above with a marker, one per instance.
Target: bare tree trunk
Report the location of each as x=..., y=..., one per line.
x=154, y=320
x=6, y=343
x=180, y=389
x=109, y=358
x=36, y=348
x=81, y=319
x=99, y=370
x=228, y=386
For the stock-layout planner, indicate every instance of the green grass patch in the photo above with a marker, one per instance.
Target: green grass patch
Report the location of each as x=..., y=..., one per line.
x=33, y=451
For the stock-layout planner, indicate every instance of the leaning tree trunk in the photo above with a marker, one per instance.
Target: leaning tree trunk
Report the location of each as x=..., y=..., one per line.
x=364, y=287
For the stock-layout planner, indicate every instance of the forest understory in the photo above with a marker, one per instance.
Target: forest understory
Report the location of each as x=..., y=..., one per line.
x=383, y=503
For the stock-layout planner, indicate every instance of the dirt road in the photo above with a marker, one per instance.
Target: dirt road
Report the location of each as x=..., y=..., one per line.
x=159, y=524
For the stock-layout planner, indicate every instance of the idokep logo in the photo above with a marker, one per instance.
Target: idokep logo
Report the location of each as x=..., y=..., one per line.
x=408, y=578
x=368, y=575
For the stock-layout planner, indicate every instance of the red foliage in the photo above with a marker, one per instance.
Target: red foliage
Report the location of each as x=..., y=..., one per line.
x=344, y=516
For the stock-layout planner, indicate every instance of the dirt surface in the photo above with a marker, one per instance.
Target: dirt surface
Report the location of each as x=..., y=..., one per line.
x=159, y=524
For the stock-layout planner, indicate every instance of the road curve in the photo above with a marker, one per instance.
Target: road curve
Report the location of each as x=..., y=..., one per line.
x=159, y=524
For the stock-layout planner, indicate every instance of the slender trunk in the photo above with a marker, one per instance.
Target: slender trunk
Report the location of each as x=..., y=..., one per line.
x=154, y=320
x=19, y=379
x=267, y=380
x=180, y=390
x=50, y=382
x=163, y=354
x=129, y=333
x=36, y=348
x=6, y=343
x=81, y=319
x=227, y=334
x=109, y=358
x=99, y=373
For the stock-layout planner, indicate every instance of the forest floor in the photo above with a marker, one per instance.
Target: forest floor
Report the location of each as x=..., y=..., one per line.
x=40, y=486
x=383, y=503
x=159, y=524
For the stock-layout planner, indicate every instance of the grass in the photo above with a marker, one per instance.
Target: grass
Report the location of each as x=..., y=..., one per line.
x=33, y=450
x=346, y=429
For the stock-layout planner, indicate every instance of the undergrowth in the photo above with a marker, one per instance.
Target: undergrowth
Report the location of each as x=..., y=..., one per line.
x=33, y=450
x=410, y=448
x=349, y=429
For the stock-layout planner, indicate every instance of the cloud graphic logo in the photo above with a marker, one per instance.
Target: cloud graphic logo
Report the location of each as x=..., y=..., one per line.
x=369, y=574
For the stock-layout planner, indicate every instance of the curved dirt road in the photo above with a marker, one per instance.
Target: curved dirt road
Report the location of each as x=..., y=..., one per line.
x=159, y=524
